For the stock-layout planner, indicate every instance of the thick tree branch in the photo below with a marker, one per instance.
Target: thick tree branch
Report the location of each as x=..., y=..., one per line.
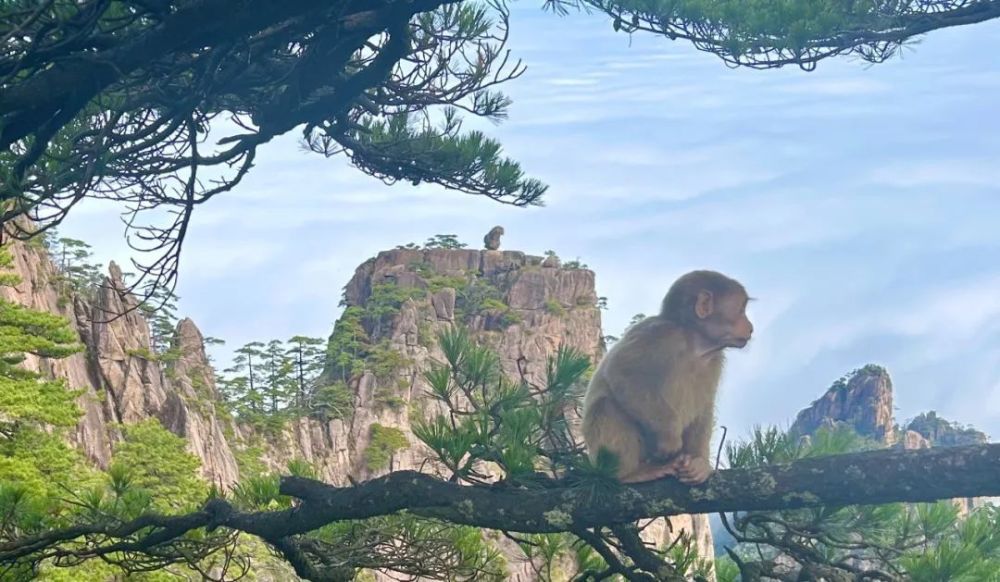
x=862, y=478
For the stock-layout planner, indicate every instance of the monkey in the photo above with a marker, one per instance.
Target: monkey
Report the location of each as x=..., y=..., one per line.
x=492, y=239
x=651, y=400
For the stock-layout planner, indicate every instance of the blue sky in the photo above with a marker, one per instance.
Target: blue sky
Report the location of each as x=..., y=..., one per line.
x=860, y=204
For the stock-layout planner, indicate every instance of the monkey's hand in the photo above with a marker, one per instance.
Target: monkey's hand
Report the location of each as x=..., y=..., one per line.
x=665, y=449
x=692, y=470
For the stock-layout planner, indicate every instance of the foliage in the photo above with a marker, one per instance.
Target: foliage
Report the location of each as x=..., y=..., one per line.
x=474, y=296
x=384, y=303
x=868, y=370
x=775, y=33
x=574, y=264
x=491, y=434
x=26, y=398
x=157, y=460
x=347, y=345
x=45, y=483
x=386, y=361
x=307, y=359
x=279, y=382
x=413, y=546
x=498, y=309
x=553, y=307
x=444, y=241
x=241, y=385
x=334, y=400
x=72, y=260
x=517, y=426
x=385, y=441
x=248, y=457
x=270, y=382
x=160, y=310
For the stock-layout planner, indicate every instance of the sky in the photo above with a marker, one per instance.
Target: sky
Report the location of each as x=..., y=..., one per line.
x=859, y=204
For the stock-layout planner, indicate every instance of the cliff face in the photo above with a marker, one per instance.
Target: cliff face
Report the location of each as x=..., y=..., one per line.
x=522, y=306
x=122, y=383
x=861, y=400
x=939, y=432
x=536, y=308
x=549, y=307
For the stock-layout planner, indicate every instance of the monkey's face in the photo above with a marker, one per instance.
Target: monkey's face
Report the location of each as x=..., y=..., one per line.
x=724, y=320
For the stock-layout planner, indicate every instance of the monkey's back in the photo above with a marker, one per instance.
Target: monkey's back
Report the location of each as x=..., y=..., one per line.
x=655, y=355
x=623, y=353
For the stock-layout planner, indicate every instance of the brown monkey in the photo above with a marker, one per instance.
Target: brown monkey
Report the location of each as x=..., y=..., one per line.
x=651, y=400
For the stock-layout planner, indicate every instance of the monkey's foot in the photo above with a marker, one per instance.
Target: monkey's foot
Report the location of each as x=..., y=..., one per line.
x=692, y=470
x=650, y=473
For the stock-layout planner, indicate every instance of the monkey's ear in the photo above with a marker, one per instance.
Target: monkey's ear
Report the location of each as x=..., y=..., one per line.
x=703, y=304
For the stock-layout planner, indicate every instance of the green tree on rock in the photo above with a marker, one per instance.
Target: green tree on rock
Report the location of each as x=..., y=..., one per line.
x=279, y=382
x=243, y=388
x=157, y=461
x=25, y=397
x=308, y=358
x=76, y=273
x=160, y=311
x=37, y=467
x=444, y=241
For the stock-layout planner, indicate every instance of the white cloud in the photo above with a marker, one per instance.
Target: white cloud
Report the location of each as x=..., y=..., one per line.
x=223, y=257
x=938, y=172
x=834, y=87
x=568, y=82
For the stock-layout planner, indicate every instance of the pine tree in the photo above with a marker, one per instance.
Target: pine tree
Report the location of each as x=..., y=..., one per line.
x=243, y=387
x=73, y=257
x=279, y=385
x=37, y=467
x=24, y=395
x=444, y=241
x=308, y=357
x=160, y=311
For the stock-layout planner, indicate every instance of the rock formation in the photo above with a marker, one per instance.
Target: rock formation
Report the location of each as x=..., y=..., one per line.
x=943, y=433
x=505, y=298
x=121, y=380
x=861, y=400
x=492, y=238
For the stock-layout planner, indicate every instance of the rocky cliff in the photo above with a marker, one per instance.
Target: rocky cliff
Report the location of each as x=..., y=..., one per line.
x=121, y=380
x=506, y=299
x=520, y=305
x=861, y=400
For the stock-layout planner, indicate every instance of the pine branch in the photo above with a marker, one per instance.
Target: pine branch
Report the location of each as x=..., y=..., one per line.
x=866, y=478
